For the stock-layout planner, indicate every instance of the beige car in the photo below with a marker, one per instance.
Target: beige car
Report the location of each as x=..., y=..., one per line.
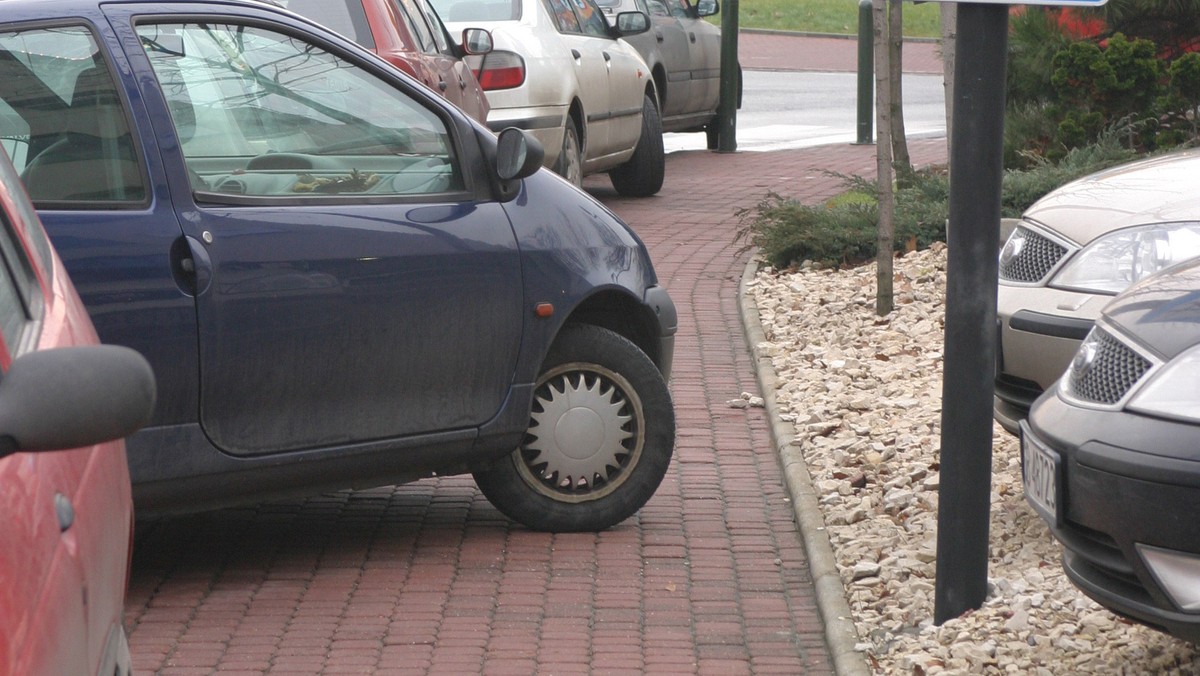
x=559, y=70
x=1072, y=252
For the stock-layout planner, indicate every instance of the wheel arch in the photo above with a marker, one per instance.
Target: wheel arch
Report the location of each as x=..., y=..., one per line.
x=576, y=116
x=623, y=314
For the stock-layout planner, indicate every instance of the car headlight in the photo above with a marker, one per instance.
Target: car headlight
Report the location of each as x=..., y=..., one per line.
x=1172, y=392
x=1118, y=259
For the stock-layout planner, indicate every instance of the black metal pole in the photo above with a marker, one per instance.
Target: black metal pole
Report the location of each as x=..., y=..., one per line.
x=976, y=169
x=730, y=76
x=866, y=73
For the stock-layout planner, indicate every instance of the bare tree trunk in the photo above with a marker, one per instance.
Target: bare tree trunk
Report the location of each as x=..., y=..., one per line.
x=900, y=158
x=884, y=302
x=949, y=47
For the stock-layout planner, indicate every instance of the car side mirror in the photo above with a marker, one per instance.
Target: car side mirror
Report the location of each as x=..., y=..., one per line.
x=477, y=41
x=632, y=23
x=74, y=396
x=707, y=7
x=518, y=154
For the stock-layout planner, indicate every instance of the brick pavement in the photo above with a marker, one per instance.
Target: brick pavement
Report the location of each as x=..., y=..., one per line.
x=427, y=578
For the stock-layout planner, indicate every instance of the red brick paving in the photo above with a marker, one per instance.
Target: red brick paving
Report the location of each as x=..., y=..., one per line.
x=427, y=578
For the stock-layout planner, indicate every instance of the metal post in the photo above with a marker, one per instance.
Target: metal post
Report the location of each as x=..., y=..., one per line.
x=976, y=164
x=730, y=80
x=866, y=59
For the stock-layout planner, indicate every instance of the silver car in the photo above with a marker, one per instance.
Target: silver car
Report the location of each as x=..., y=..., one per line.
x=684, y=54
x=1072, y=252
x=558, y=70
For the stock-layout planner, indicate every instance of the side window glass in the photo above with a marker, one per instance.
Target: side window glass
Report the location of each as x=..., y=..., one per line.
x=416, y=23
x=263, y=114
x=13, y=315
x=435, y=25
x=564, y=16
x=63, y=121
x=343, y=16
x=591, y=19
x=657, y=8
x=679, y=9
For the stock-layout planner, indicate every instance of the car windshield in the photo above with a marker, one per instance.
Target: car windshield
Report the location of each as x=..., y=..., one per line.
x=478, y=10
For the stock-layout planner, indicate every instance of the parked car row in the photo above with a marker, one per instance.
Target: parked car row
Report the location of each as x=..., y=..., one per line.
x=1099, y=373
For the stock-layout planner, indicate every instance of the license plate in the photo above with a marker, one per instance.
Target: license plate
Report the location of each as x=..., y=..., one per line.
x=1042, y=476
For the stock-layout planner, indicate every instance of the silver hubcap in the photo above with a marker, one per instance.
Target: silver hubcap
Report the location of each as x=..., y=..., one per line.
x=573, y=165
x=585, y=433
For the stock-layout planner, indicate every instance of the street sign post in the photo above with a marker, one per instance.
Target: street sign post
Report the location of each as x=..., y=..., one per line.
x=976, y=169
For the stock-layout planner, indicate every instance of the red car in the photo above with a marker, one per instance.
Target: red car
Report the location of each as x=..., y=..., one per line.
x=66, y=525
x=409, y=35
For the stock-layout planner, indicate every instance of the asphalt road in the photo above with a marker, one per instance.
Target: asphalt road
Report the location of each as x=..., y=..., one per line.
x=782, y=110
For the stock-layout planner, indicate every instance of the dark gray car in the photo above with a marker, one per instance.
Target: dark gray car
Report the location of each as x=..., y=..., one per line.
x=1111, y=455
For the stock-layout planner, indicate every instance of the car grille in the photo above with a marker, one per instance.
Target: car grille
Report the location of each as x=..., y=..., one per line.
x=1036, y=257
x=1107, y=375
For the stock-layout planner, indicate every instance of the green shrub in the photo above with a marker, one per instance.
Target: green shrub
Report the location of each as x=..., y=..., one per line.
x=842, y=231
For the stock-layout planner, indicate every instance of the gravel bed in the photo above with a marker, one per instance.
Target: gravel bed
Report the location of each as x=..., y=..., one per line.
x=864, y=396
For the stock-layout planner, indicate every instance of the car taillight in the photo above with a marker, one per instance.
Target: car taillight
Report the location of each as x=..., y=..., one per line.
x=501, y=70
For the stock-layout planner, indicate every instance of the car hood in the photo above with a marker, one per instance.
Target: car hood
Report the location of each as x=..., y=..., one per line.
x=1156, y=190
x=1162, y=311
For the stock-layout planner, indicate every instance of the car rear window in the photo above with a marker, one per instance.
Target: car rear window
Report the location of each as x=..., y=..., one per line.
x=478, y=10
x=343, y=16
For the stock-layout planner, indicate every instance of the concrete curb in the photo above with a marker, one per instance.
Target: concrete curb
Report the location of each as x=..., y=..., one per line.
x=840, y=634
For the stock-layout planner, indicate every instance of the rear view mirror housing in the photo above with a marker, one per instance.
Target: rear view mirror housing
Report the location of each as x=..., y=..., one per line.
x=74, y=396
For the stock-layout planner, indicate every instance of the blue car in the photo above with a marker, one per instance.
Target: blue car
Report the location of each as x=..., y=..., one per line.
x=339, y=279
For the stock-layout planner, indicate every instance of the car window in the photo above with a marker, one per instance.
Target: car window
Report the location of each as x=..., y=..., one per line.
x=591, y=19
x=19, y=291
x=657, y=8
x=564, y=16
x=260, y=113
x=680, y=9
x=479, y=10
x=415, y=21
x=63, y=121
x=435, y=24
x=343, y=16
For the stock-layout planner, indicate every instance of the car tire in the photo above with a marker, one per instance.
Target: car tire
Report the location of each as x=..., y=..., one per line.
x=613, y=433
x=570, y=157
x=643, y=174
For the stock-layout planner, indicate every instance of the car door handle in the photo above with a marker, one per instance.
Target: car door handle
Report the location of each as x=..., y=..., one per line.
x=607, y=56
x=65, y=511
x=658, y=36
x=191, y=266
x=442, y=84
x=575, y=53
x=692, y=37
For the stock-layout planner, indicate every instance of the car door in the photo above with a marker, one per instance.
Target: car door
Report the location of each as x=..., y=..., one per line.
x=675, y=51
x=704, y=44
x=590, y=59
x=78, y=137
x=624, y=71
x=349, y=285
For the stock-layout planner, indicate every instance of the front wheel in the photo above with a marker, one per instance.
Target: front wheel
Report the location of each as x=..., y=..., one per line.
x=600, y=438
x=643, y=174
x=570, y=157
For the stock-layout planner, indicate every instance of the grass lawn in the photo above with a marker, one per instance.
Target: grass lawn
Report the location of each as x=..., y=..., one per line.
x=828, y=16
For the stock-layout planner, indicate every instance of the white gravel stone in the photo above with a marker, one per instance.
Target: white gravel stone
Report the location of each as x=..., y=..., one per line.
x=865, y=396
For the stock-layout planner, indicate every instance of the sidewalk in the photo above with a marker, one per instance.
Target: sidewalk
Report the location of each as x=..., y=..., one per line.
x=765, y=50
x=711, y=577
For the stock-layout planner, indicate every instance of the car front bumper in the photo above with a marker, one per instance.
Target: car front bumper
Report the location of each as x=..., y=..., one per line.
x=1126, y=482
x=1040, y=330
